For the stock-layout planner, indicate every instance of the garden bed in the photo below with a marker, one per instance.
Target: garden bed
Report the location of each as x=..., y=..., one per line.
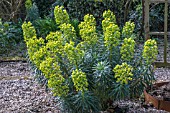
x=20, y=93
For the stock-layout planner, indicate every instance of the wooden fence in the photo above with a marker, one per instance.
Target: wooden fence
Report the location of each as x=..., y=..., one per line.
x=165, y=33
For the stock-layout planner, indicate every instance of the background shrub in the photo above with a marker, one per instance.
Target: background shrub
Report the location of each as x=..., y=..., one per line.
x=10, y=35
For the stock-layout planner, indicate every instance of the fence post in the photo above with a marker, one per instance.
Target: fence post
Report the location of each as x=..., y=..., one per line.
x=165, y=31
x=146, y=19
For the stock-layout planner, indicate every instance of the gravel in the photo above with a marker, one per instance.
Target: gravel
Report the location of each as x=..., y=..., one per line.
x=162, y=74
x=20, y=93
x=14, y=69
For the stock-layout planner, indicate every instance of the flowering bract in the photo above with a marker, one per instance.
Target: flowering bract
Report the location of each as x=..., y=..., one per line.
x=39, y=56
x=50, y=67
x=109, y=18
x=150, y=51
x=74, y=54
x=88, y=29
x=128, y=29
x=68, y=32
x=59, y=88
x=112, y=35
x=127, y=50
x=54, y=36
x=33, y=45
x=55, y=48
x=28, y=4
x=61, y=15
x=28, y=31
x=123, y=73
x=79, y=80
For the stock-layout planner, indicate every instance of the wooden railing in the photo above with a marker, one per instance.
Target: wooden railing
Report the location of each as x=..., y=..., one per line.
x=165, y=33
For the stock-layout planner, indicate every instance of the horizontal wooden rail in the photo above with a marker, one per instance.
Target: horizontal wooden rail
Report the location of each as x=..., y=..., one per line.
x=20, y=60
x=159, y=33
x=160, y=1
x=162, y=64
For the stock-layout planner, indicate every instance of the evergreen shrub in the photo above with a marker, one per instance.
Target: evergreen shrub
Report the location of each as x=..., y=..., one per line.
x=90, y=70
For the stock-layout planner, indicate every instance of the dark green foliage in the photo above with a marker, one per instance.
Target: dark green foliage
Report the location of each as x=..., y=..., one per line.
x=75, y=23
x=32, y=13
x=44, y=6
x=136, y=16
x=45, y=26
x=10, y=35
x=79, y=8
x=157, y=17
x=119, y=91
x=81, y=103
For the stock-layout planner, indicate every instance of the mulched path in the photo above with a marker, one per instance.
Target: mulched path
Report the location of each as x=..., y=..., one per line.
x=19, y=92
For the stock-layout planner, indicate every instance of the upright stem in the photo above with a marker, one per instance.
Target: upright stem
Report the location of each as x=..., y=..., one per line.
x=110, y=56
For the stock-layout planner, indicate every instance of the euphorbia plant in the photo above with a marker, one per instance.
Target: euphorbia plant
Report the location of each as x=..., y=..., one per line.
x=89, y=71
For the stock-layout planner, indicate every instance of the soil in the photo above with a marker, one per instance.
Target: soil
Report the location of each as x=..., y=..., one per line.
x=161, y=93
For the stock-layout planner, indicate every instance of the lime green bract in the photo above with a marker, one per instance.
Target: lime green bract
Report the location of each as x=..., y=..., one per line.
x=59, y=88
x=150, y=51
x=28, y=4
x=123, y=73
x=128, y=29
x=112, y=36
x=127, y=50
x=68, y=32
x=88, y=29
x=74, y=54
x=109, y=18
x=28, y=31
x=79, y=80
x=61, y=15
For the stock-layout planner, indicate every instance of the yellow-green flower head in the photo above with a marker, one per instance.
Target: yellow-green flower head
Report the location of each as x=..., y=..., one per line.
x=68, y=32
x=28, y=31
x=127, y=49
x=6, y=25
x=58, y=86
x=150, y=51
x=89, y=19
x=28, y=4
x=61, y=15
x=79, y=80
x=82, y=45
x=54, y=36
x=88, y=29
x=128, y=29
x=74, y=54
x=39, y=56
x=33, y=45
x=123, y=73
x=55, y=47
x=112, y=35
x=109, y=18
x=50, y=67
